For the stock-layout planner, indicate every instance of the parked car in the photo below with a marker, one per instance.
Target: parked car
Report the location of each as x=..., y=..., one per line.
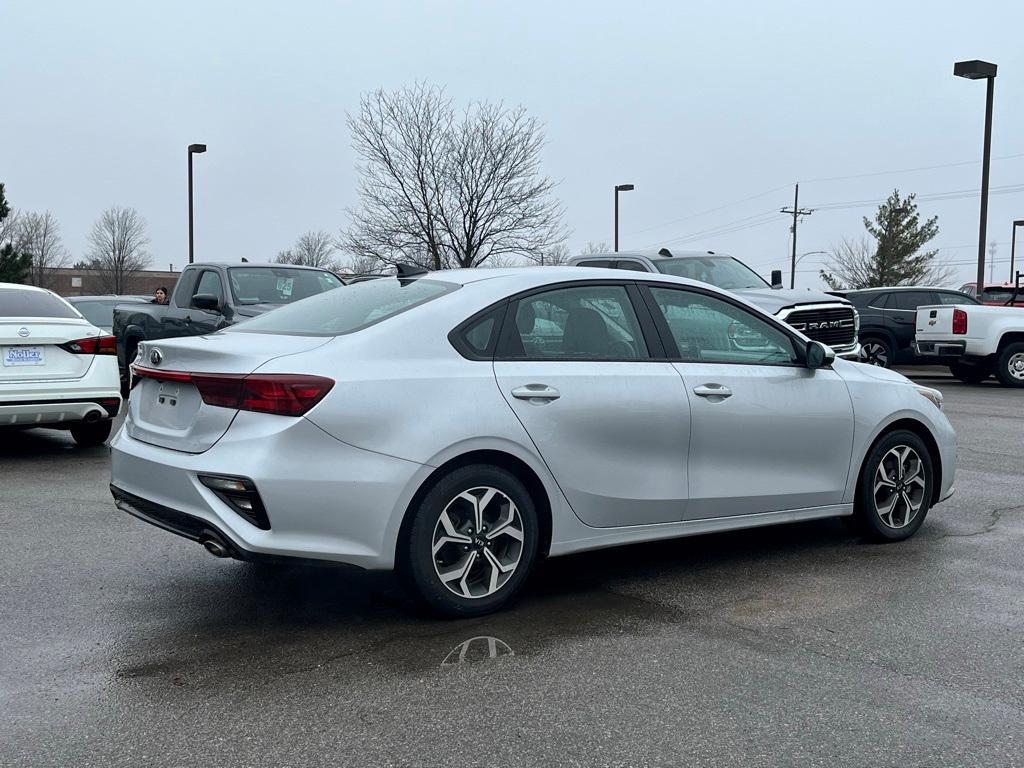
x=58, y=370
x=887, y=317
x=829, y=319
x=462, y=424
x=996, y=294
x=99, y=310
x=209, y=297
x=978, y=341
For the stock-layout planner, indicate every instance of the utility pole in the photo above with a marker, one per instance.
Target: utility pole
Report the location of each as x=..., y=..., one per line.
x=797, y=212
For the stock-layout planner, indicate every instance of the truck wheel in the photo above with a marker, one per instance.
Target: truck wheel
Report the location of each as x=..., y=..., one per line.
x=895, y=488
x=1010, y=365
x=92, y=434
x=875, y=350
x=970, y=374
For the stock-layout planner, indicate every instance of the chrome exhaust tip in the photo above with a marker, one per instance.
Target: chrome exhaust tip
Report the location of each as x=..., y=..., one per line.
x=215, y=548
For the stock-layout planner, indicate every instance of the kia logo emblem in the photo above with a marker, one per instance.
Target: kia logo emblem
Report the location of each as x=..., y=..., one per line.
x=23, y=332
x=155, y=357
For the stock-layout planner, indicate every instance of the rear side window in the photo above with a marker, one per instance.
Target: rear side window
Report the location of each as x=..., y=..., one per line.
x=605, y=263
x=16, y=302
x=347, y=309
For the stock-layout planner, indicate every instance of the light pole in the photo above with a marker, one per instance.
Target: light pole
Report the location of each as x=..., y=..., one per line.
x=1013, y=245
x=619, y=188
x=981, y=70
x=193, y=149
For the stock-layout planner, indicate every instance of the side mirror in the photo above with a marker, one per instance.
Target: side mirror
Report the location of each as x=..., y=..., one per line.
x=776, y=278
x=817, y=355
x=206, y=301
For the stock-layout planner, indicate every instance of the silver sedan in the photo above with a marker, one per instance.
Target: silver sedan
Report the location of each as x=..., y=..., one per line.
x=458, y=426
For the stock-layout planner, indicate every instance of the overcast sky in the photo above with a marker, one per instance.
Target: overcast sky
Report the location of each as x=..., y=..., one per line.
x=700, y=105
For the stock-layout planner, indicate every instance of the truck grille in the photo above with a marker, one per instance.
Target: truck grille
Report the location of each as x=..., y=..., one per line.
x=834, y=326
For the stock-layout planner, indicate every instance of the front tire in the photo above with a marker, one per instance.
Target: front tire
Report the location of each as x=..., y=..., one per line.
x=895, y=487
x=1010, y=365
x=472, y=542
x=876, y=350
x=88, y=435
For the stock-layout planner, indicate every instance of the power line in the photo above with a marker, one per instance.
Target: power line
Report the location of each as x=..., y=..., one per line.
x=909, y=170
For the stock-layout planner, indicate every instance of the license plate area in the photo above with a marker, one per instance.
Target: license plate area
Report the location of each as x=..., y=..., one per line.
x=23, y=355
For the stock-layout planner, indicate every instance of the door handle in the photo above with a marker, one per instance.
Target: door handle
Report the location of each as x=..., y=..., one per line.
x=712, y=391
x=538, y=392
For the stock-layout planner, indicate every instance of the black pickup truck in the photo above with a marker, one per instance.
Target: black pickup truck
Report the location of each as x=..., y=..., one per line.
x=209, y=297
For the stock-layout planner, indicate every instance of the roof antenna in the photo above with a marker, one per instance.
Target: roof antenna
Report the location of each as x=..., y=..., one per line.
x=664, y=252
x=405, y=271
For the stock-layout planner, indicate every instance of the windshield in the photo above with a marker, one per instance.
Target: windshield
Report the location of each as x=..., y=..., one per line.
x=722, y=271
x=345, y=311
x=278, y=285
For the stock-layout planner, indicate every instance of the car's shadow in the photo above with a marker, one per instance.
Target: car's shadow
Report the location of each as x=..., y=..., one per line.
x=220, y=618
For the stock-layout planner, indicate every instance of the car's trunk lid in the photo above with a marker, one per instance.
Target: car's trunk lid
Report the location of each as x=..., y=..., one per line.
x=31, y=351
x=167, y=410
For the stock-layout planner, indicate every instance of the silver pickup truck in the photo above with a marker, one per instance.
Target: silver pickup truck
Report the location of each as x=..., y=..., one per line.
x=819, y=316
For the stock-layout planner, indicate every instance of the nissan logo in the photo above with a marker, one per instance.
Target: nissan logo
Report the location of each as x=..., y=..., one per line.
x=23, y=332
x=155, y=357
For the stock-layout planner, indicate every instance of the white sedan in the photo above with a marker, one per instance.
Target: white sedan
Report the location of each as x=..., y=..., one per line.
x=460, y=425
x=57, y=369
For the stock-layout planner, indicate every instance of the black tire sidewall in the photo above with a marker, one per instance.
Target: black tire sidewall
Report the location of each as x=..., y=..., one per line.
x=890, y=351
x=416, y=560
x=92, y=434
x=969, y=374
x=864, y=509
x=1002, y=366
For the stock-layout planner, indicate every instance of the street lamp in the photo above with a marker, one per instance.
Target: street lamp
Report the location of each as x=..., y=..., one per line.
x=981, y=70
x=193, y=149
x=799, y=259
x=1013, y=246
x=619, y=188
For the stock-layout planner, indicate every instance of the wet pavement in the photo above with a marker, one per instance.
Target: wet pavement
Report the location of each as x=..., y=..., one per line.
x=797, y=645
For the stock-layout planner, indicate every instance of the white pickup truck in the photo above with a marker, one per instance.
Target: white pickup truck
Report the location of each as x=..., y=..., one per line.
x=978, y=340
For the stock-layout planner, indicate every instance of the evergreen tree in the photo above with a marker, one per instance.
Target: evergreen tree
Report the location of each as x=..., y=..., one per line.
x=14, y=265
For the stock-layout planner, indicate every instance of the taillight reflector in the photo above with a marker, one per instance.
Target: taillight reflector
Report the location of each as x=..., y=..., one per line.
x=92, y=345
x=284, y=394
x=959, y=321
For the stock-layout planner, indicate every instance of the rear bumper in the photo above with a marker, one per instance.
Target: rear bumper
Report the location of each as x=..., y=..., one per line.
x=945, y=349
x=325, y=500
x=59, y=413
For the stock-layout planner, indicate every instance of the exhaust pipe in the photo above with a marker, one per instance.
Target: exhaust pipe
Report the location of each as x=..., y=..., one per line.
x=92, y=417
x=215, y=546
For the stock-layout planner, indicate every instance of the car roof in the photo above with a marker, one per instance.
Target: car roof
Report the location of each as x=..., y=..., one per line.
x=258, y=265
x=520, y=278
x=898, y=288
x=107, y=297
x=653, y=255
x=24, y=287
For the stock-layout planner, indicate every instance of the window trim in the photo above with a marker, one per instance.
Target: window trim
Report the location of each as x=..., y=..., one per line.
x=648, y=331
x=672, y=349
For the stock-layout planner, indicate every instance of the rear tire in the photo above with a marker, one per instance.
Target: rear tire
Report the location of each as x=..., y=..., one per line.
x=1010, y=365
x=472, y=542
x=88, y=435
x=876, y=350
x=970, y=374
x=895, y=488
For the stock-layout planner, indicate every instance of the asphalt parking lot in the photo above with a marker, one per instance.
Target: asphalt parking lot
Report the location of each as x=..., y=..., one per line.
x=797, y=645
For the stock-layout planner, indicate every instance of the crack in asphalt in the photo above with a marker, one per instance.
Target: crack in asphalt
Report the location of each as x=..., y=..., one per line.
x=996, y=516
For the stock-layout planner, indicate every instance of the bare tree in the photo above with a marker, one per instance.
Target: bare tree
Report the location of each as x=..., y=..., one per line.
x=551, y=257
x=117, y=248
x=442, y=190
x=600, y=246
x=40, y=238
x=313, y=249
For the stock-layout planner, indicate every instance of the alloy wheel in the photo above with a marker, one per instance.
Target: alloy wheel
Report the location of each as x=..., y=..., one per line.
x=899, y=486
x=875, y=353
x=477, y=542
x=1015, y=366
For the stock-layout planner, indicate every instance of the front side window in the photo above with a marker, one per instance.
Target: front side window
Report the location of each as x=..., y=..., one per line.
x=709, y=330
x=209, y=283
x=278, y=285
x=580, y=323
x=956, y=298
x=346, y=310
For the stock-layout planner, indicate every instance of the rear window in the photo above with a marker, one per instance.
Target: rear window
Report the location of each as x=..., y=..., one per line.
x=1002, y=295
x=15, y=302
x=347, y=309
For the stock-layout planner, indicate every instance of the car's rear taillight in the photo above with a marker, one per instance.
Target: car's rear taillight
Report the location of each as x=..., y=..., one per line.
x=959, y=321
x=284, y=394
x=92, y=345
